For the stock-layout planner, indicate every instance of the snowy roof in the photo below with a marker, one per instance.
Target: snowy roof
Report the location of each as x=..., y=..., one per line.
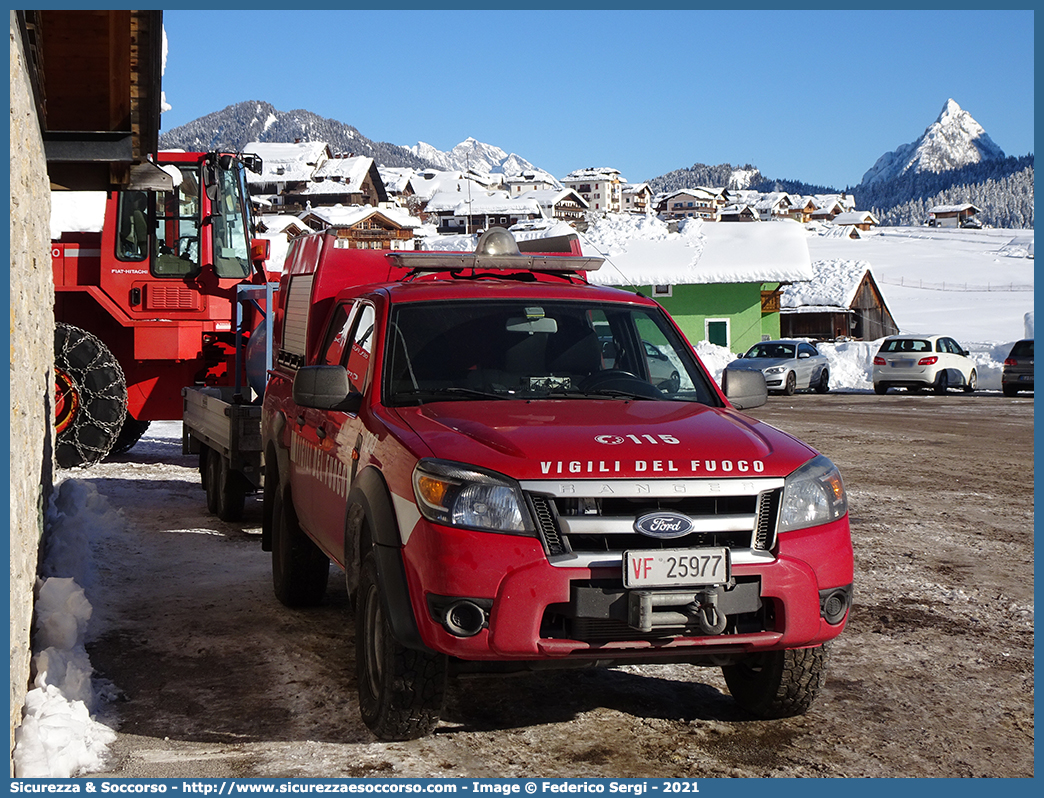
x=346, y=216
x=284, y=162
x=351, y=171
x=772, y=200
x=855, y=217
x=430, y=182
x=689, y=192
x=395, y=178
x=595, y=173
x=546, y=197
x=952, y=208
x=482, y=201
x=833, y=285
x=529, y=176
x=278, y=223
x=641, y=251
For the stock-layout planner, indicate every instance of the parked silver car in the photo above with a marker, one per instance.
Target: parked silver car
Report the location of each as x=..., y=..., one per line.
x=788, y=365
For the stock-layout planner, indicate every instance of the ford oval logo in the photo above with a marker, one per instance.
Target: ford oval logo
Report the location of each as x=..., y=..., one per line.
x=663, y=525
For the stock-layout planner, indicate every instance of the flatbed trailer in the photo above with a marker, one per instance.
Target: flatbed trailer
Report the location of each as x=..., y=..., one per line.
x=222, y=424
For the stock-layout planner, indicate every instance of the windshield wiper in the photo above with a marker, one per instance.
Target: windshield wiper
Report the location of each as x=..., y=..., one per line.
x=601, y=393
x=453, y=390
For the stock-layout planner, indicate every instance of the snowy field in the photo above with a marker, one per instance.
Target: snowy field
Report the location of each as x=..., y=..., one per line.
x=973, y=285
x=944, y=281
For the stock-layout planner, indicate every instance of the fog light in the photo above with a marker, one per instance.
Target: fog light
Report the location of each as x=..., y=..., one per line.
x=834, y=603
x=464, y=618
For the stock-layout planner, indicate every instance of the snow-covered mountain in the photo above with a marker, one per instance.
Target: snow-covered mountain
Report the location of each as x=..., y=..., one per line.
x=478, y=157
x=232, y=127
x=954, y=140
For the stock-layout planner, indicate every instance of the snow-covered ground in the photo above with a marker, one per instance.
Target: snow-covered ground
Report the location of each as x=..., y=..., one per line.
x=946, y=281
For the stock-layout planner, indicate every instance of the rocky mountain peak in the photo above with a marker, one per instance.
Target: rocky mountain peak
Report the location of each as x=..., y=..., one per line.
x=954, y=140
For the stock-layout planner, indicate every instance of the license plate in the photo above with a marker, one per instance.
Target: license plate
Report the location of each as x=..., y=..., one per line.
x=902, y=364
x=1026, y=377
x=676, y=567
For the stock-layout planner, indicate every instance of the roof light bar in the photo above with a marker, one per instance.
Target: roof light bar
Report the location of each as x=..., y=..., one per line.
x=496, y=251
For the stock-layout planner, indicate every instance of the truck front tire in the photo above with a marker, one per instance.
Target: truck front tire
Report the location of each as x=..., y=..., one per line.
x=777, y=684
x=401, y=690
x=300, y=569
x=90, y=397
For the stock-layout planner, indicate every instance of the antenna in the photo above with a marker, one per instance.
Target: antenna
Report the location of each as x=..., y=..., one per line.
x=467, y=222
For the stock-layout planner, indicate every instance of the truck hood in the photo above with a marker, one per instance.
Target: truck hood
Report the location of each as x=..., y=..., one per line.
x=605, y=439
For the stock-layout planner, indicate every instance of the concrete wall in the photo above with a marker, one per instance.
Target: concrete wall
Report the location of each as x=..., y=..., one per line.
x=32, y=357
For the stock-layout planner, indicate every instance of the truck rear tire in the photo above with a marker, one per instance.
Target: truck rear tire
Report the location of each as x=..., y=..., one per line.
x=777, y=684
x=401, y=690
x=300, y=569
x=90, y=397
x=226, y=489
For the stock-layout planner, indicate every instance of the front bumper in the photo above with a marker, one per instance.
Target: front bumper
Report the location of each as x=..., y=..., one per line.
x=525, y=599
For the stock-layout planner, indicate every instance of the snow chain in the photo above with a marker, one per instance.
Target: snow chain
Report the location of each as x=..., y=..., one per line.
x=92, y=373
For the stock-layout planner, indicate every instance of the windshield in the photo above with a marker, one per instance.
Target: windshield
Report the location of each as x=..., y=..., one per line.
x=231, y=220
x=530, y=349
x=771, y=350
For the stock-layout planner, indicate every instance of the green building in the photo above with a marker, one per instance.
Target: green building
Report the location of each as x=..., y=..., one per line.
x=719, y=281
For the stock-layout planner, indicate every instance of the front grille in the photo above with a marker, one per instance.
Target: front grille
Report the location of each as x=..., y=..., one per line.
x=589, y=517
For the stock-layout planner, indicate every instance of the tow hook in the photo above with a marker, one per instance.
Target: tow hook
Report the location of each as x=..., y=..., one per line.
x=705, y=610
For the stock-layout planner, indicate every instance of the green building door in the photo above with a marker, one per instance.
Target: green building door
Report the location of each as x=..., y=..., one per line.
x=718, y=332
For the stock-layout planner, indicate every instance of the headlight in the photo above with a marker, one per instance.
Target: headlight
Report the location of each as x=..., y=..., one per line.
x=457, y=495
x=776, y=370
x=812, y=495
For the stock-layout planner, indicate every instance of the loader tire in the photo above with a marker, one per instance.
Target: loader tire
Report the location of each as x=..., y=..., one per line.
x=130, y=434
x=90, y=398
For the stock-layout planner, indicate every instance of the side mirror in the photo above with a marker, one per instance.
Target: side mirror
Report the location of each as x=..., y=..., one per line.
x=251, y=162
x=325, y=388
x=744, y=389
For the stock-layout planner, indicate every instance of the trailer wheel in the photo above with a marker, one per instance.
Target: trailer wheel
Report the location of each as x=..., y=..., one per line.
x=300, y=569
x=90, y=397
x=209, y=467
x=226, y=489
x=401, y=690
x=777, y=684
x=130, y=434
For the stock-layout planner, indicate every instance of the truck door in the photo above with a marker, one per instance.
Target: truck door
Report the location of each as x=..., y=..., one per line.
x=333, y=438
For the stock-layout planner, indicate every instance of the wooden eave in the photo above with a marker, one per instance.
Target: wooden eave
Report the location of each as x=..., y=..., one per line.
x=97, y=85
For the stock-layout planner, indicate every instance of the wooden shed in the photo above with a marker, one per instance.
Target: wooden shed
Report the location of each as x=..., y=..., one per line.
x=843, y=301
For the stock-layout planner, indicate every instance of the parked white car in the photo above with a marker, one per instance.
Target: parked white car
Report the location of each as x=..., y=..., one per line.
x=788, y=365
x=916, y=362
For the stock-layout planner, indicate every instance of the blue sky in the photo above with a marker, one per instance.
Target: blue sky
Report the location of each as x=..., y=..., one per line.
x=816, y=96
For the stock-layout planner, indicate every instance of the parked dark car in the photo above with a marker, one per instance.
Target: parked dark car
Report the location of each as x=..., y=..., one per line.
x=1018, y=368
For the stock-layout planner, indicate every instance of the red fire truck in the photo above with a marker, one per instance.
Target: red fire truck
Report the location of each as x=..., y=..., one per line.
x=481, y=442
x=145, y=306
